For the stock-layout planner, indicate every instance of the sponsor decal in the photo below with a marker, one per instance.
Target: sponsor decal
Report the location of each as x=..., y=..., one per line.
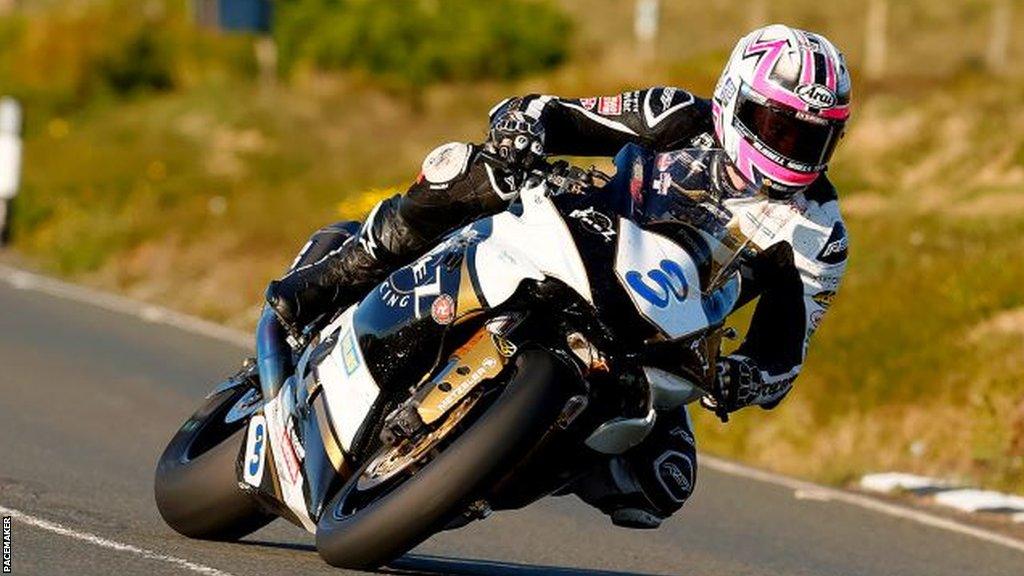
x=675, y=473
x=503, y=346
x=683, y=434
x=392, y=298
x=661, y=103
x=293, y=439
x=636, y=182
x=816, y=317
x=631, y=101
x=834, y=251
x=698, y=350
x=596, y=222
x=420, y=281
x=703, y=141
x=445, y=162
x=349, y=354
x=426, y=290
x=664, y=183
x=610, y=105
x=287, y=451
x=292, y=451
x=255, y=451
x=728, y=90
x=420, y=268
x=667, y=95
x=665, y=160
x=829, y=282
x=816, y=95
x=661, y=285
x=824, y=298
x=443, y=309
x=488, y=364
x=588, y=103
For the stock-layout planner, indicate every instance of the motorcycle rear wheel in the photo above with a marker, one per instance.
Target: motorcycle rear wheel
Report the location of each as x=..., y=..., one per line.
x=197, y=489
x=424, y=503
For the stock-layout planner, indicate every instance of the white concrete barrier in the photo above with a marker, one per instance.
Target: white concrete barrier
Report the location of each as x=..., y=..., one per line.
x=10, y=156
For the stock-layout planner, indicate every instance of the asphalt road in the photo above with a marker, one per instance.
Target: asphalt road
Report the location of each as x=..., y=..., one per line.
x=88, y=398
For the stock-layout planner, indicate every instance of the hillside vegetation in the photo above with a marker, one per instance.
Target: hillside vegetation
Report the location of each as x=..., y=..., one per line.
x=160, y=164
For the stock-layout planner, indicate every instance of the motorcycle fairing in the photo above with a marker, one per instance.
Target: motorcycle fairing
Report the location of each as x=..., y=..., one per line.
x=397, y=327
x=315, y=423
x=345, y=379
x=661, y=279
x=287, y=456
x=535, y=245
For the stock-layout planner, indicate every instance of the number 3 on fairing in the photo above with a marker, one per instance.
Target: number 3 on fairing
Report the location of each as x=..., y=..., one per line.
x=669, y=281
x=661, y=279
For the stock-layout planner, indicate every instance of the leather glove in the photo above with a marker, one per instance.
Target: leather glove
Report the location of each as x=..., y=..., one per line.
x=517, y=139
x=738, y=384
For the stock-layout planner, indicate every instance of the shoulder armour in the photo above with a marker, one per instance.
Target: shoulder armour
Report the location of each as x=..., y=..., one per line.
x=660, y=103
x=446, y=162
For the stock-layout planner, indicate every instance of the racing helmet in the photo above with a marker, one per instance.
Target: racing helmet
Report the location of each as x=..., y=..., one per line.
x=781, y=106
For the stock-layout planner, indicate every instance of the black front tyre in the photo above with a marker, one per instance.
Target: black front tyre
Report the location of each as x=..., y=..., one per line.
x=491, y=446
x=197, y=489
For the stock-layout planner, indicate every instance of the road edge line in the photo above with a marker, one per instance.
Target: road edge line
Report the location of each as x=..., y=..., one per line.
x=861, y=501
x=151, y=313
x=25, y=280
x=110, y=544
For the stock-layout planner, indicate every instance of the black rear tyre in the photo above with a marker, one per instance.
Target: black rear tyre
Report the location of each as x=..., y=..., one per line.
x=425, y=503
x=197, y=489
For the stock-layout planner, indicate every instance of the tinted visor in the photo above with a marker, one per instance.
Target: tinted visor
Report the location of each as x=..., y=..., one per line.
x=807, y=144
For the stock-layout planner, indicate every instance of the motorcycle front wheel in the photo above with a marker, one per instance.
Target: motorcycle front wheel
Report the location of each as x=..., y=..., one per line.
x=197, y=489
x=366, y=528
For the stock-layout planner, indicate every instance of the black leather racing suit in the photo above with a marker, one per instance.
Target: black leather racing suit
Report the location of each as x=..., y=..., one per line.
x=795, y=274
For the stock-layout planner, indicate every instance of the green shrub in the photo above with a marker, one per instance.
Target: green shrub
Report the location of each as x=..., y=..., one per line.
x=417, y=42
x=69, y=54
x=140, y=62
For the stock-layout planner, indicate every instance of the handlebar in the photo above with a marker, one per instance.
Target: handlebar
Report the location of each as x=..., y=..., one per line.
x=561, y=176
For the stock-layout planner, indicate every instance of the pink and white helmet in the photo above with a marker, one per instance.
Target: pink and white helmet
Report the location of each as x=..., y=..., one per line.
x=781, y=106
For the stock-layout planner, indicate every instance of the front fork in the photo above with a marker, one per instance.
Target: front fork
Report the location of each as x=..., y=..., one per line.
x=273, y=354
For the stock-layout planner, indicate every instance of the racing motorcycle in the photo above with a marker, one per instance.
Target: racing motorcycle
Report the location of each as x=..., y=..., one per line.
x=493, y=371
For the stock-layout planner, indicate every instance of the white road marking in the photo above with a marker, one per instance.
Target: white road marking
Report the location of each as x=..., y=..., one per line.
x=971, y=500
x=892, y=481
x=110, y=544
x=29, y=281
x=816, y=495
x=861, y=501
x=148, y=312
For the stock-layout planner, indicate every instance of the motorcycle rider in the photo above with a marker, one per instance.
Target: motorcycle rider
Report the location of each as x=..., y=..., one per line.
x=778, y=111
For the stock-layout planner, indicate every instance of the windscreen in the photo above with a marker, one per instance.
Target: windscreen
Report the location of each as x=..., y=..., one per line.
x=695, y=189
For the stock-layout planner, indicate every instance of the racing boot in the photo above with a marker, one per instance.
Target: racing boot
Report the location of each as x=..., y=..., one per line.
x=342, y=276
x=347, y=273
x=614, y=490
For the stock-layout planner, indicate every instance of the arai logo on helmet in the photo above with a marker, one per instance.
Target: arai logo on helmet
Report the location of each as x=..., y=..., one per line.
x=816, y=95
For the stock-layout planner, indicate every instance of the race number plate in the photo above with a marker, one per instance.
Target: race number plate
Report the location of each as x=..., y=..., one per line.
x=661, y=279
